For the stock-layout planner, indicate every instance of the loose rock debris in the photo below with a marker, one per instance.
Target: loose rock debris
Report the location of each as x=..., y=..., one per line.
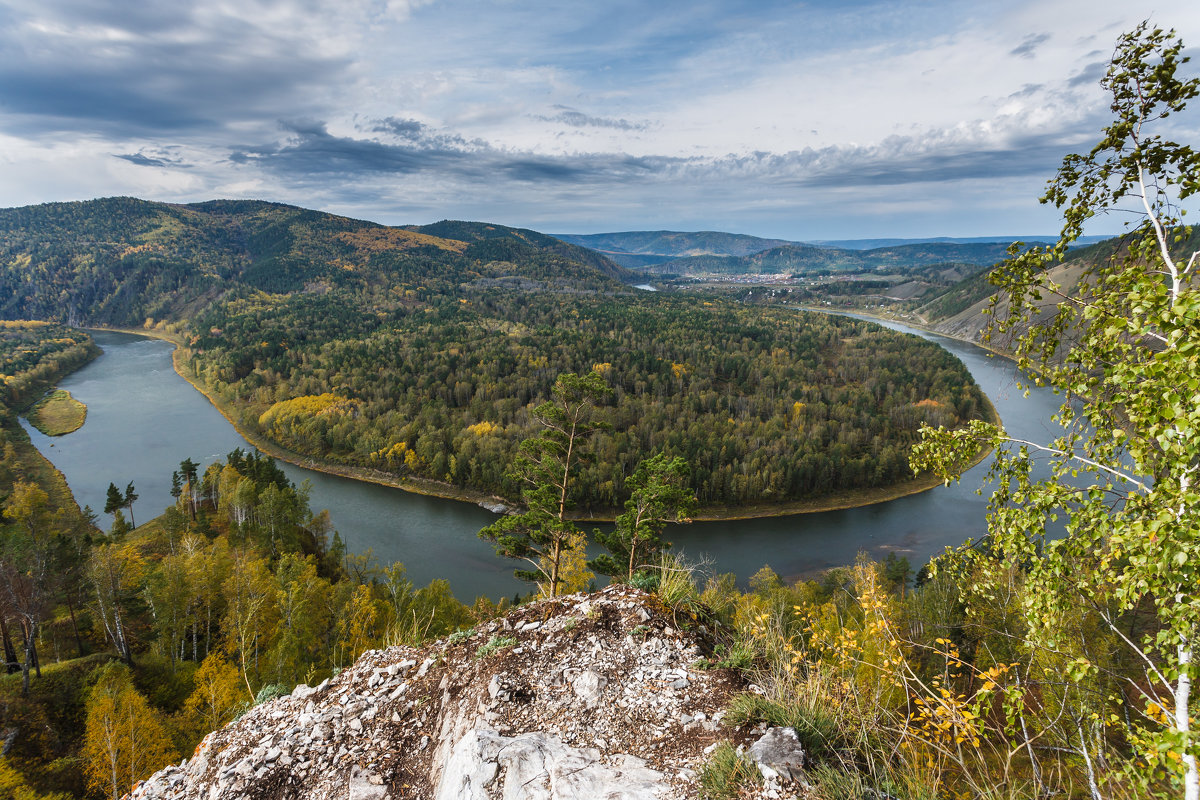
x=585, y=696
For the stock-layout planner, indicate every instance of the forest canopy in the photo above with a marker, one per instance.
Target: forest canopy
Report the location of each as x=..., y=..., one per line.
x=420, y=352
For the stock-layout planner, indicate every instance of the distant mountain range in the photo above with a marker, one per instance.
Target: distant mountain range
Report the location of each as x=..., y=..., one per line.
x=800, y=259
x=637, y=249
x=735, y=253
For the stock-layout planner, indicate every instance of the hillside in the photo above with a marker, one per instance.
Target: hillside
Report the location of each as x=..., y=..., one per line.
x=672, y=244
x=120, y=260
x=417, y=354
x=871, y=244
x=808, y=259
x=960, y=310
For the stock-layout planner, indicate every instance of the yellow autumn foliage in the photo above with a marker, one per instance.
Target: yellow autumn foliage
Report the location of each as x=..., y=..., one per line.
x=304, y=407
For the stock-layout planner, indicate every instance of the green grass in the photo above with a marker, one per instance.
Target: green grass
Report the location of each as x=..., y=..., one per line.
x=58, y=414
x=815, y=724
x=727, y=773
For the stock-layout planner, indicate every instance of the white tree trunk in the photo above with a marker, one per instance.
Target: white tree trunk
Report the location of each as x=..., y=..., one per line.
x=1183, y=690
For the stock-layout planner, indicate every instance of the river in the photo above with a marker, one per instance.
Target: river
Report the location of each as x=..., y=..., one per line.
x=143, y=419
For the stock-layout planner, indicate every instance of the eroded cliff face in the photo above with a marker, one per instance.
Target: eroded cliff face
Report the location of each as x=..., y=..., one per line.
x=587, y=696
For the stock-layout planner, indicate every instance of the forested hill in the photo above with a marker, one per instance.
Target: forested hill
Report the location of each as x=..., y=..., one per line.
x=121, y=260
x=808, y=259
x=419, y=353
x=962, y=310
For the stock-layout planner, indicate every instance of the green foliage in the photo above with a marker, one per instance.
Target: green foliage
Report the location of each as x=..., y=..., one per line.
x=817, y=725
x=547, y=468
x=727, y=773
x=737, y=654
x=646, y=580
x=271, y=691
x=494, y=645
x=677, y=585
x=460, y=636
x=445, y=394
x=33, y=355
x=435, y=341
x=1124, y=350
x=659, y=493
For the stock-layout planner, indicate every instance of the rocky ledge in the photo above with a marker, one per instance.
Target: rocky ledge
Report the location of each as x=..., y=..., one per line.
x=585, y=696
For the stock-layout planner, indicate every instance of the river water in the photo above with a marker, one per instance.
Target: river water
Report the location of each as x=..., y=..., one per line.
x=143, y=419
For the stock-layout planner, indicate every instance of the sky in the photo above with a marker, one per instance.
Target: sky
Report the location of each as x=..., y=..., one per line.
x=830, y=119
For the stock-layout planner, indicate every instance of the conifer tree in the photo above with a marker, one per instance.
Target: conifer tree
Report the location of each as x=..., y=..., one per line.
x=546, y=467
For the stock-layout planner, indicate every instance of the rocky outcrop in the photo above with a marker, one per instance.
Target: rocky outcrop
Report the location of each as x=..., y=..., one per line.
x=587, y=696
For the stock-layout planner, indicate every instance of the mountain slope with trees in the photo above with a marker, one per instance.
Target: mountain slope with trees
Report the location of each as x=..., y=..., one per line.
x=420, y=352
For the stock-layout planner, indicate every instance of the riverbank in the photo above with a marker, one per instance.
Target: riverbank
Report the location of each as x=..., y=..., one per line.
x=848, y=499
x=908, y=323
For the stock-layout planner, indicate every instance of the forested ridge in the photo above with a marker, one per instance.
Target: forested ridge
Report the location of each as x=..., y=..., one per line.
x=810, y=259
x=420, y=351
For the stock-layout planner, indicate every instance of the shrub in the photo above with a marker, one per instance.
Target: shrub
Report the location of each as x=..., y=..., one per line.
x=270, y=692
x=495, y=645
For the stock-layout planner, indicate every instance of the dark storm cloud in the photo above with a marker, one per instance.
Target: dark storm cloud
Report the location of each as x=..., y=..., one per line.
x=1090, y=75
x=312, y=150
x=404, y=128
x=143, y=159
x=577, y=119
x=1028, y=90
x=1029, y=45
x=311, y=153
x=147, y=68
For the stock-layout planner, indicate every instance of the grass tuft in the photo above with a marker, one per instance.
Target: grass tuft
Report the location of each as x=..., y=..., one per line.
x=726, y=773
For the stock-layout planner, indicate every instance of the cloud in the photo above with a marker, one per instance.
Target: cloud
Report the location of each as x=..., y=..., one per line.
x=153, y=68
x=311, y=150
x=404, y=128
x=577, y=119
x=1028, y=90
x=310, y=153
x=163, y=158
x=681, y=113
x=1028, y=47
x=1090, y=75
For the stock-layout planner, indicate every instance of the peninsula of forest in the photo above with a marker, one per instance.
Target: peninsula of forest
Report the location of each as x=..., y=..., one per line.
x=415, y=355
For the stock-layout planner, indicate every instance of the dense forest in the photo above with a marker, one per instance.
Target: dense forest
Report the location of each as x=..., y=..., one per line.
x=419, y=352
x=135, y=643
x=766, y=404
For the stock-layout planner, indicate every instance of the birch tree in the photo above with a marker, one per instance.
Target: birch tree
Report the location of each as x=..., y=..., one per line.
x=1123, y=348
x=124, y=739
x=116, y=571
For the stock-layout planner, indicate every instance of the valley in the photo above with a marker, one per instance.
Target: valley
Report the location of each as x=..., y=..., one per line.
x=416, y=353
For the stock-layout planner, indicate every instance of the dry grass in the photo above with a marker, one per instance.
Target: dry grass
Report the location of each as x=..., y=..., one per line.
x=57, y=414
